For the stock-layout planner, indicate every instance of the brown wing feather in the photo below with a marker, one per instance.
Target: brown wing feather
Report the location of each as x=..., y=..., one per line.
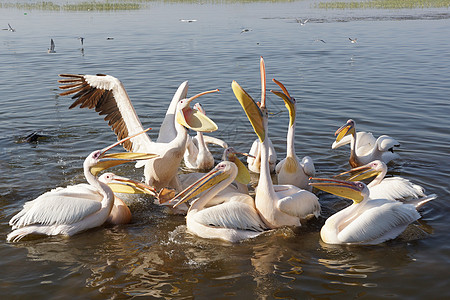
x=101, y=100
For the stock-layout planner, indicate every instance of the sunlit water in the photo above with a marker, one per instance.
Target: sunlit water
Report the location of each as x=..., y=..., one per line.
x=394, y=81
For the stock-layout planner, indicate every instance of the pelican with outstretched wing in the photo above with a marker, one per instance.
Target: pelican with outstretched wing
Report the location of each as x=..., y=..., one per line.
x=107, y=95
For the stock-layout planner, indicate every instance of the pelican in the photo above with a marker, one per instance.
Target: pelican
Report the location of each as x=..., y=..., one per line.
x=291, y=170
x=391, y=188
x=367, y=221
x=232, y=191
x=283, y=205
x=70, y=210
x=231, y=221
x=108, y=96
x=197, y=155
x=254, y=159
x=52, y=47
x=364, y=148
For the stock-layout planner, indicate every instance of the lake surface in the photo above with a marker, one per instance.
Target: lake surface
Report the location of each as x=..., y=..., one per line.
x=394, y=80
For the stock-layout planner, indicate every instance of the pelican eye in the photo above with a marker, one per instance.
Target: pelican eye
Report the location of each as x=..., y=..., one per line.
x=96, y=154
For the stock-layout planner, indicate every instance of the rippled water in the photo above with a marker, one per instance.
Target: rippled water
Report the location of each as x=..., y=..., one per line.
x=394, y=81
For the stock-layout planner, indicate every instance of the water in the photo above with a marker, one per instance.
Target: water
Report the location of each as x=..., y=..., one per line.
x=394, y=81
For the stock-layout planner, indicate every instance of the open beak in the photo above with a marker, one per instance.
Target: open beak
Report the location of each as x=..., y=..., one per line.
x=251, y=109
x=129, y=186
x=346, y=129
x=210, y=179
x=288, y=101
x=243, y=175
x=358, y=174
x=347, y=189
x=108, y=160
x=193, y=118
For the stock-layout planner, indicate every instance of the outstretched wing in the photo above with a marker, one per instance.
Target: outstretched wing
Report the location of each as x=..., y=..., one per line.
x=55, y=207
x=107, y=95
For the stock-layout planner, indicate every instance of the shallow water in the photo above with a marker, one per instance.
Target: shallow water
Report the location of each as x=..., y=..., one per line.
x=394, y=81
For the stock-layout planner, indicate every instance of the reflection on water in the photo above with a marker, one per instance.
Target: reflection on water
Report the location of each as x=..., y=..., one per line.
x=392, y=81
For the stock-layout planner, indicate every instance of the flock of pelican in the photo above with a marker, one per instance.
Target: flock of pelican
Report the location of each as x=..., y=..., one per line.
x=217, y=204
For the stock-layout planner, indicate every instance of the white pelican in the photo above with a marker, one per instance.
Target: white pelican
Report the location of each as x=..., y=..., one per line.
x=391, y=188
x=288, y=204
x=68, y=211
x=364, y=148
x=197, y=155
x=291, y=170
x=108, y=96
x=367, y=221
x=254, y=159
x=231, y=221
x=52, y=47
x=120, y=213
x=238, y=186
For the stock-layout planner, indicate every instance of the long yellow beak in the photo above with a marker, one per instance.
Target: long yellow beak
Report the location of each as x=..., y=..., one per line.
x=288, y=101
x=243, y=175
x=358, y=174
x=115, y=159
x=195, y=119
x=107, y=160
x=346, y=129
x=251, y=109
x=129, y=186
x=210, y=179
x=347, y=189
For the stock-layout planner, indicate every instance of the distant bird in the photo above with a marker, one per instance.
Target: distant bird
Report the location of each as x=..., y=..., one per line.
x=10, y=28
x=188, y=20
x=33, y=137
x=319, y=40
x=109, y=38
x=81, y=40
x=52, y=47
x=353, y=41
x=301, y=22
x=245, y=30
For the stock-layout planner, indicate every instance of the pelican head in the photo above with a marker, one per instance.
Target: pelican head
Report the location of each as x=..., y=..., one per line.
x=243, y=176
x=354, y=190
x=346, y=129
x=193, y=118
x=371, y=169
x=221, y=172
x=100, y=160
x=288, y=101
x=256, y=112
